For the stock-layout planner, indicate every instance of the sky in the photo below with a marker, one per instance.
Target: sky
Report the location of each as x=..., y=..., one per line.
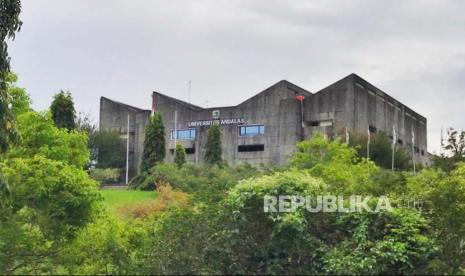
x=231, y=50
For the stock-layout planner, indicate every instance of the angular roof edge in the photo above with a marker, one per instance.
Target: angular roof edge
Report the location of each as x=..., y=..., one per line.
x=356, y=78
x=193, y=106
x=123, y=104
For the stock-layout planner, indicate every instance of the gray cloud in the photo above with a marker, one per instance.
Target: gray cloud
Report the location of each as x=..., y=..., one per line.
x=414, y=50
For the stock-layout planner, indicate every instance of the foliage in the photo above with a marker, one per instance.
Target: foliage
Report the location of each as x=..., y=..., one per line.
x=302, y=242
x=206, y=183
x=106, y=246
x=18, y=97
x=335, y=162
x=107, y=149
x=105, y=176
x=63, y=112
x=84, y=123
x=443, y=198
x=47, y=203
x=454, y=151
x=40, y=137
x=179, y=155
x=381, y=150
x=10, y=23
x=213, y=151
x=154, y=143
x=167, y=198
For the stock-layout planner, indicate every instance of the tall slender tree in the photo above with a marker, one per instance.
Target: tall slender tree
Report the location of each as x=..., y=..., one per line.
x=179, y=155
x=213, y=153
x=154, y=143
x=9, y=24
x=63, y=112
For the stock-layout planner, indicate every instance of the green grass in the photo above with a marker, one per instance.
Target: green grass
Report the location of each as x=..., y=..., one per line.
x=113, y=199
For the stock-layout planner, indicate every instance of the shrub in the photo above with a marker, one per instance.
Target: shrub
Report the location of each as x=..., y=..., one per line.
x=105, y=176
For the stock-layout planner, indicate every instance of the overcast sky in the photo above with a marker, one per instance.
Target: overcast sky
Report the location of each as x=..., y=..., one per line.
x=230, y=50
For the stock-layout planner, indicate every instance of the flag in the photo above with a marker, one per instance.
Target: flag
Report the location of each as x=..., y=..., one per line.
x=347, y=136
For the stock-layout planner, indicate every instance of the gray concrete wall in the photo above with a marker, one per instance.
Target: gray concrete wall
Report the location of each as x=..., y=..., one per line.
x=356, y=104
x=114, y=117
x=275, y=107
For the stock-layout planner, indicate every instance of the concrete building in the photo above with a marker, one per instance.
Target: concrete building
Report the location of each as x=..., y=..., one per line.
x=266, y=127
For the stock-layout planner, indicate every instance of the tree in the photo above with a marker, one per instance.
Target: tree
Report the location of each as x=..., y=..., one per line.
x=154, y=143
x=108, y=150
x=381, y=151
x=454, y=151
x=213, y=150
x=19, y=99
x=84, y=123
x=10, y=23
x=48, y=203
x=63, y=112
x=39, y=136
x=179, y=155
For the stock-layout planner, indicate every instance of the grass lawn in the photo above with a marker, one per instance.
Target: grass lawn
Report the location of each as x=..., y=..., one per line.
x=114, y=199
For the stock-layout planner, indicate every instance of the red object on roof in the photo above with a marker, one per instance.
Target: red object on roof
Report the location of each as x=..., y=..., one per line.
x=300, y=98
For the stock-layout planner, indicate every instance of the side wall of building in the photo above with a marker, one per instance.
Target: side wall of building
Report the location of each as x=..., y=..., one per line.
x=114, y=117
x=356, y=104
x=275, y=108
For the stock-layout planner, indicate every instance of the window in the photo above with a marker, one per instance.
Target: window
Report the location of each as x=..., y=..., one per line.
x=323, y=123
x=372, y=129
x=250, y=148
x=184, y=134
x=326, y=123
x=422, y=152
x=400, y=141
x=251, y=130
x=188, y=151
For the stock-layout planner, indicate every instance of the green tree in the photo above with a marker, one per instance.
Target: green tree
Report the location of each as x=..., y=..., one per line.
x=381, y=150
x=454, y=151
x=107, y=149
x=303, y=242
x=63, y=112
x=179, y=155
x=213, y=151
x=443, y=200
x=39, y=136
x=19, y=99
x=154, y=143
x=47, y=204
x=335, y=162
x=10, y=23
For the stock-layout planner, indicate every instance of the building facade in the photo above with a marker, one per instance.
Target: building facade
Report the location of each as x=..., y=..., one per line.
x=265, y=128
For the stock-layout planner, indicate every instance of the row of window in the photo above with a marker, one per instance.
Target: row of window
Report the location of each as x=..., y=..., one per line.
x=244, y=131
x=240, y=148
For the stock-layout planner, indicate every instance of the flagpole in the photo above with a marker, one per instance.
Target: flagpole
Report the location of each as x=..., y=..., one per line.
x=394, y=138
x=368, y=143
x=347, y=136
x=127, y=153
x=175, y=129
x=413, y=151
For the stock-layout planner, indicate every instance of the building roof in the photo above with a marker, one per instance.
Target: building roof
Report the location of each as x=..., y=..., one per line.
x=125, y=105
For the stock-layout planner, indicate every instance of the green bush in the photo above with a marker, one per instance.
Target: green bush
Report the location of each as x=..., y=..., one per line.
x=105, y=176
x=47, y=204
